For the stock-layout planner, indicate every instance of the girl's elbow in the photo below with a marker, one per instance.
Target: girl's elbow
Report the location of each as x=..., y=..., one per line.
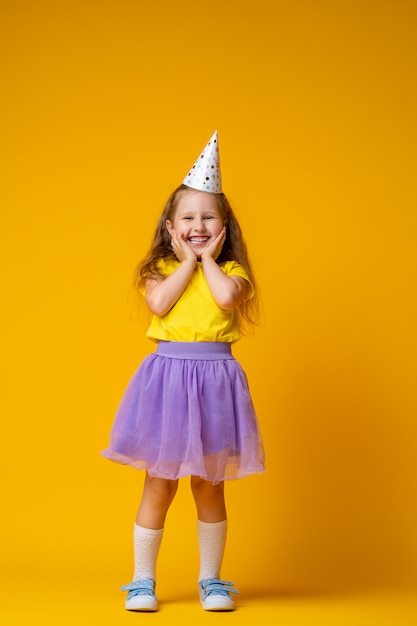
x=229, y=302
x=159, y=312
x=157, y=307
x=227, y=305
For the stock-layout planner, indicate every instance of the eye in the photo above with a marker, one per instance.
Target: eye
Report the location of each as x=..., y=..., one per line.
x=209, y=217
x=186, y=217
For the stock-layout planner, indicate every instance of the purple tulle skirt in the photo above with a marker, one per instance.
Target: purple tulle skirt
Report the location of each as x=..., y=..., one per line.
x=188, y=411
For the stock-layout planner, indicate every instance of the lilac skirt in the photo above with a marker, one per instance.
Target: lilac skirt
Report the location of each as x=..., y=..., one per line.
x=188, y=411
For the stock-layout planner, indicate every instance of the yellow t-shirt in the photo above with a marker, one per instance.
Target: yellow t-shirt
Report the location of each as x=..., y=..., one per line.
x=196, y=316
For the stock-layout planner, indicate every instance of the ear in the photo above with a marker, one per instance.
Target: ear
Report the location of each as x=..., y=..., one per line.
x=170, y=227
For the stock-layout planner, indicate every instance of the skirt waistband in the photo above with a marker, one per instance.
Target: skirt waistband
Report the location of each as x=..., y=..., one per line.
x=204, y=350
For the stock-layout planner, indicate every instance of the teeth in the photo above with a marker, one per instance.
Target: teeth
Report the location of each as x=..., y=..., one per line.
x=198, y=239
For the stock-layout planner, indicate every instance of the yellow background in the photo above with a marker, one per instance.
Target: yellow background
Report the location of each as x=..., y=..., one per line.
x=104, y=107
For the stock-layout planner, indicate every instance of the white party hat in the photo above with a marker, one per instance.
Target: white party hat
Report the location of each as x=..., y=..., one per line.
x=205, y=174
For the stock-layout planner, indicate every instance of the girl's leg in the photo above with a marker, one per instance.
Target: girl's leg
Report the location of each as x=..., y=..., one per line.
x=209, y=500
x=212, y=525
x=158, y=494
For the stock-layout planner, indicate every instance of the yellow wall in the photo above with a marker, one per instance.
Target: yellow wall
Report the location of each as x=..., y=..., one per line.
x=105, y=105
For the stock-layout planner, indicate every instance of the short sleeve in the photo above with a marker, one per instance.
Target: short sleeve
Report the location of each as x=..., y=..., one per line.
x=165, y=267
x=232, y=268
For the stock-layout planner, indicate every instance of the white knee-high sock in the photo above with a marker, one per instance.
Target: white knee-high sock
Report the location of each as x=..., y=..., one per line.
x=146, y=548
x=212, y=541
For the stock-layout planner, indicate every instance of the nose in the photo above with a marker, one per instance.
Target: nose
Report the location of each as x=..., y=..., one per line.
x=199, y=225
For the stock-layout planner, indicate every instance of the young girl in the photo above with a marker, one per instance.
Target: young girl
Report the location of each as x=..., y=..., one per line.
x=187, y=411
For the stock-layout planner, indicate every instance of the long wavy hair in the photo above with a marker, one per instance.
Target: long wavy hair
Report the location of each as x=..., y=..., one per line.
x=234, y=249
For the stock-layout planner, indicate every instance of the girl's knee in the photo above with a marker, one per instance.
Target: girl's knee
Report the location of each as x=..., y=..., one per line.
x=209, y=500
x=160, y=488
x=204, y=489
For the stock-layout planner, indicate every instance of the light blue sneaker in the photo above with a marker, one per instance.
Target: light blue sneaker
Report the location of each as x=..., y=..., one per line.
x=215, y=594
x=141, y=596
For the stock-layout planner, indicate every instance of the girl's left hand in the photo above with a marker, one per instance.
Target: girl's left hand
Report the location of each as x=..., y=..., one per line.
x=214, y=248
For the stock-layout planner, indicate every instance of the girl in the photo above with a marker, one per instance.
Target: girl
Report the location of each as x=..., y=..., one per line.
x=188, y=410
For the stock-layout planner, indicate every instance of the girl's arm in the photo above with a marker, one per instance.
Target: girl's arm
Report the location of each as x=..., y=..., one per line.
x=227, y=291
x=162, y=293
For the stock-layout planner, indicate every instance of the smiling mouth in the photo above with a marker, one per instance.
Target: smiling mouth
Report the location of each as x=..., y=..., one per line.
x=198, y=240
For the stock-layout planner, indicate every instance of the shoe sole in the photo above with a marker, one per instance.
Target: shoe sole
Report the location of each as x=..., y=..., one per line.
x=141, y=610
x=218, y=605
x=148, y=606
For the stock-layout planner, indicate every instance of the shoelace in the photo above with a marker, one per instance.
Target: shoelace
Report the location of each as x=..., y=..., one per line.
x=215, y=586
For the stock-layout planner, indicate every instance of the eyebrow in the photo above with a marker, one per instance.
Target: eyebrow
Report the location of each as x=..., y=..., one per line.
x=191, y=212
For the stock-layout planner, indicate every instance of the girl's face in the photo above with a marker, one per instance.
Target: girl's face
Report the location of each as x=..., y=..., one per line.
x=197, y=219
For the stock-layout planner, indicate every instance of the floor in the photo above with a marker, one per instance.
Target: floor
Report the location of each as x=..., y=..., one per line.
x=80, y=600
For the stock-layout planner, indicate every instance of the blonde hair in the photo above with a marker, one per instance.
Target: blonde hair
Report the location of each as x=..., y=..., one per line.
x=234, y=249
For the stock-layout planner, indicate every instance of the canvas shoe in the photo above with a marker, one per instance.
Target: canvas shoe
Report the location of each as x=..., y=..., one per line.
x=141, y=596
x=215, y=594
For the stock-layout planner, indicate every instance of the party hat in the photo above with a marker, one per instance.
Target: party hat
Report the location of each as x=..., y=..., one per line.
x=205, y=174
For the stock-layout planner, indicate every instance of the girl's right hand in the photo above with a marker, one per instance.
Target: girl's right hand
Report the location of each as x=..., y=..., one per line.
x=181, y=248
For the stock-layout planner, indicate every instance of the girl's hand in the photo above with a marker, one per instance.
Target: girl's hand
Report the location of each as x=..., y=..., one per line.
x=214, y=248
x=181, y=248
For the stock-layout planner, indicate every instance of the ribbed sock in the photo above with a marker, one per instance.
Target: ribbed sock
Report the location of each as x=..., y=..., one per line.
x=146, y=548
x=212, y=541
